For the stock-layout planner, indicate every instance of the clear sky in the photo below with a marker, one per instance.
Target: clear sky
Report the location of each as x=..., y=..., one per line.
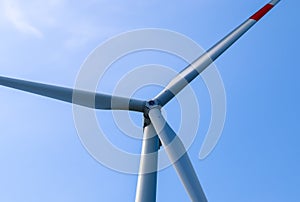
x=257, y=157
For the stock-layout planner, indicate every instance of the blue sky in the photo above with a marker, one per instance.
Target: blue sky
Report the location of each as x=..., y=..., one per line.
x=257, y=157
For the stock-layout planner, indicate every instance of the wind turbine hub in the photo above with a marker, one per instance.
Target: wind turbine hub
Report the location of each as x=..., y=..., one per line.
x=151, y=104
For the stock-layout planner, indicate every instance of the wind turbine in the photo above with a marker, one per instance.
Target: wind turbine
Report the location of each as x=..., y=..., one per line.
x=157, y=131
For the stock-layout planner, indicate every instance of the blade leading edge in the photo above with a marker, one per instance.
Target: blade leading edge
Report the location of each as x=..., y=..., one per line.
x=201, y=63
x=79, y=97
x=178, y=156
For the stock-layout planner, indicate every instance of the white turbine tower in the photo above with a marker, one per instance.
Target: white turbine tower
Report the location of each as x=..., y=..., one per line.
x=156, y=129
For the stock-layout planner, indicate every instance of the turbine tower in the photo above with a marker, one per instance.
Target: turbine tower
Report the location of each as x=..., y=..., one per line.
x=157, y=131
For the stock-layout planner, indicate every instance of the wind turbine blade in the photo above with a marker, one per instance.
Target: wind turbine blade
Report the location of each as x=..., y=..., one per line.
x=79, y=97
x=178, y=156
x=147, y=179
x=201, y=63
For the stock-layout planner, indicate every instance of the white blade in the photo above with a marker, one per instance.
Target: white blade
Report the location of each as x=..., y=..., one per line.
x=79, y=97
x=201, y=63
x=178, y=156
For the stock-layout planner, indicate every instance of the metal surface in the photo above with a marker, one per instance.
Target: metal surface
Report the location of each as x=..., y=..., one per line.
x=79, y=97
x=178, y=156
x=147, y=179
